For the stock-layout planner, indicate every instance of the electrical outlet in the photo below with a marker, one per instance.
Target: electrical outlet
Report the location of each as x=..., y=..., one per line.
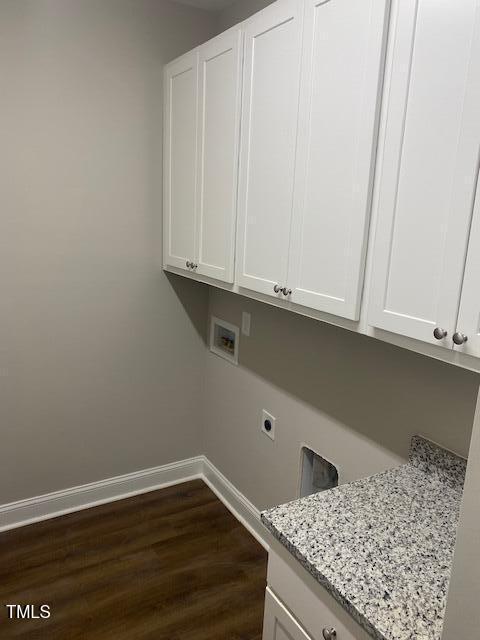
x=268, y=424
x=246, y=319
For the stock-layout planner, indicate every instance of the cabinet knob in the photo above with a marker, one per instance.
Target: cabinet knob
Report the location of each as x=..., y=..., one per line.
x=329, y=633
x=277, y=288
x=189, y=264
x=286, y=292
x=194, y=265
x=459, y=338
x=439, y=334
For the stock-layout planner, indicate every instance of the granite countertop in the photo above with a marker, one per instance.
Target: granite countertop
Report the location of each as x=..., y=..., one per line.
x=383, y=545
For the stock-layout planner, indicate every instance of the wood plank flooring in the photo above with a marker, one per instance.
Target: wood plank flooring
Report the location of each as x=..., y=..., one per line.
x=168, y=565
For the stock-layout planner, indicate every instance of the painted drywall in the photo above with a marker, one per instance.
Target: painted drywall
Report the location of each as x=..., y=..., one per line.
x=462, y=618
x=239, y=11
x=101, y=355
x=354, y=399
x=210, y=5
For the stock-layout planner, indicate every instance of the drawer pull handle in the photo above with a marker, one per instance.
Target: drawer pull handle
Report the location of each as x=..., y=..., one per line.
x=329, y=633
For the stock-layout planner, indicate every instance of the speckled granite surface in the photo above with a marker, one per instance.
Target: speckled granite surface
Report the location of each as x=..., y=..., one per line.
x=383, y=545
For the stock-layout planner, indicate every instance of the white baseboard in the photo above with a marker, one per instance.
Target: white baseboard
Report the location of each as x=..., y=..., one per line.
x=58, y=503
x=236, y=502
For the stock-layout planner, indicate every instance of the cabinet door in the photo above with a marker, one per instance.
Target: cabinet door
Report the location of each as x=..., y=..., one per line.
x=427, y=172
x=468, y=322
x=269, y=131
x=343, y=50
x=180, y=160
x=278, y=623
x=219, y=100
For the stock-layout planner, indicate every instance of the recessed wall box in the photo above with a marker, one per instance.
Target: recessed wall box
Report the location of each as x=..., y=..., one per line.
x=224, y=339
x=317, y=474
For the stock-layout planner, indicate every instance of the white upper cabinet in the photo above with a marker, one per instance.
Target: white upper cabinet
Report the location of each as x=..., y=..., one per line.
x=180, y=159
x=202, y=128
x=269, y=131
x=468, y=323
x=281, y=132
x=428, y=171
x=219, y=99
x=343, y=51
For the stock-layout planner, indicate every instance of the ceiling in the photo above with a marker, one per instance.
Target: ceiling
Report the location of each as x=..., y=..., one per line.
x=209, y=5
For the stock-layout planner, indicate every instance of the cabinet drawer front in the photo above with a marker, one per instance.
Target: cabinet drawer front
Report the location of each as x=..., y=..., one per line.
x=180, y=163
x=219, y=100
x=267, y=160
x=278, y=623
x=311, y=604
x=427, y=172
x=343, y=52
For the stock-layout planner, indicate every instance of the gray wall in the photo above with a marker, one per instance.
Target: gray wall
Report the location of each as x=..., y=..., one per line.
x=100, y=364
x=102, y=357
x=239, y=11
x=354, y=399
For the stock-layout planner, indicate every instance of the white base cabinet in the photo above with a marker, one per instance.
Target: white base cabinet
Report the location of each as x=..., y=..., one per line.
x=297, y=607
x=278, y=622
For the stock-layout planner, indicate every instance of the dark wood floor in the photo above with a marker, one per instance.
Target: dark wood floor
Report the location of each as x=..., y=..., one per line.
x=168, y=565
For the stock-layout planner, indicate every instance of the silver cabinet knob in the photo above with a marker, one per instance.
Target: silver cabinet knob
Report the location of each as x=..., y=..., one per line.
x=286, y=292
x=459, y=338
x=277, y=288
x=329, y=633
x=189, y=264
x=439, y=334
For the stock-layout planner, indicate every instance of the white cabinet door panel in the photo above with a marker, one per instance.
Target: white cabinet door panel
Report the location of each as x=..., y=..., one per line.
x=269, y=129
x=180, y=148
x=427, y=173
x=468, y=321
x=219, y=108
x=342, y=64
x=278, y=623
